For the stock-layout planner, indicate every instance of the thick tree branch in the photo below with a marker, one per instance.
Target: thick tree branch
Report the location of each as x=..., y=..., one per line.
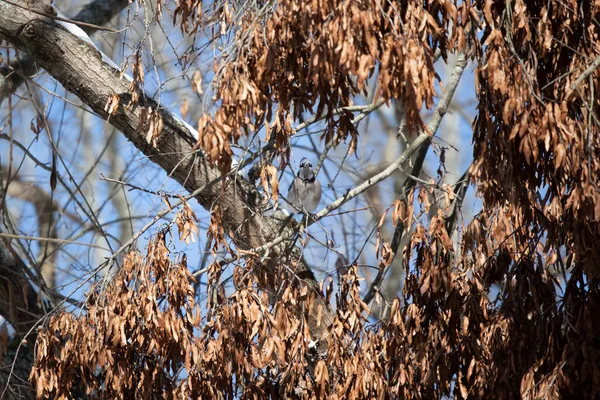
x=98, y=12
x=595, y=64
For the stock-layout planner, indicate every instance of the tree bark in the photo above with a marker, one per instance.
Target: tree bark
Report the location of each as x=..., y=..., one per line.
x=98, y=12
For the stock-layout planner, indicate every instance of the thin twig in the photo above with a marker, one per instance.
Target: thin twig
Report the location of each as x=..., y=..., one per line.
x=51, y=240
x=595, y=64
x=460, y=189
x=365, y=110
x=135, y=187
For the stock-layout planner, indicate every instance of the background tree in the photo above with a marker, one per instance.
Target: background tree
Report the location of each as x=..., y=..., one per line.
x=403, y=284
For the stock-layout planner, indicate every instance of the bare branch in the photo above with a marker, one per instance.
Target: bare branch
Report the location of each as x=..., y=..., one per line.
x=595, y=64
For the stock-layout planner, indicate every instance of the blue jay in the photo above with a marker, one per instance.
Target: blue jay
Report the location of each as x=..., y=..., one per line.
x=304, y=193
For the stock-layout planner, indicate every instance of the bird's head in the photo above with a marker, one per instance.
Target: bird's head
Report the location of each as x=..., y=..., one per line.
x=305, y=172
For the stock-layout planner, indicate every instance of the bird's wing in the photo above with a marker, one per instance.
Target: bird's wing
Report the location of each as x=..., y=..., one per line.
x=316, y=195
x=293, y=197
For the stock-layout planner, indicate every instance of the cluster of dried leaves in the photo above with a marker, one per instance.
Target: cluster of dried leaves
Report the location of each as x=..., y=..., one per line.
x=143, y=336
x=536, y=135
x=289, y=57
x=130, y=339
x=536, y=166
x=536, y=149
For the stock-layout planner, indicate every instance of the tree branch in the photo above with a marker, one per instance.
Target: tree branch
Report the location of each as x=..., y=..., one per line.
x=98, y=12
x=595, y=64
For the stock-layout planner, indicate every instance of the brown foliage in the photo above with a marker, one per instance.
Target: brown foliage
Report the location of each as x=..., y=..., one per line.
x=536, y=149
x=536, y=166
x=144, y=329
x=536, y=136
x=134, y=334
x=305, y=55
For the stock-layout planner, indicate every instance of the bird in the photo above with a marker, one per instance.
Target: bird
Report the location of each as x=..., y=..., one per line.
x=304, y=193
